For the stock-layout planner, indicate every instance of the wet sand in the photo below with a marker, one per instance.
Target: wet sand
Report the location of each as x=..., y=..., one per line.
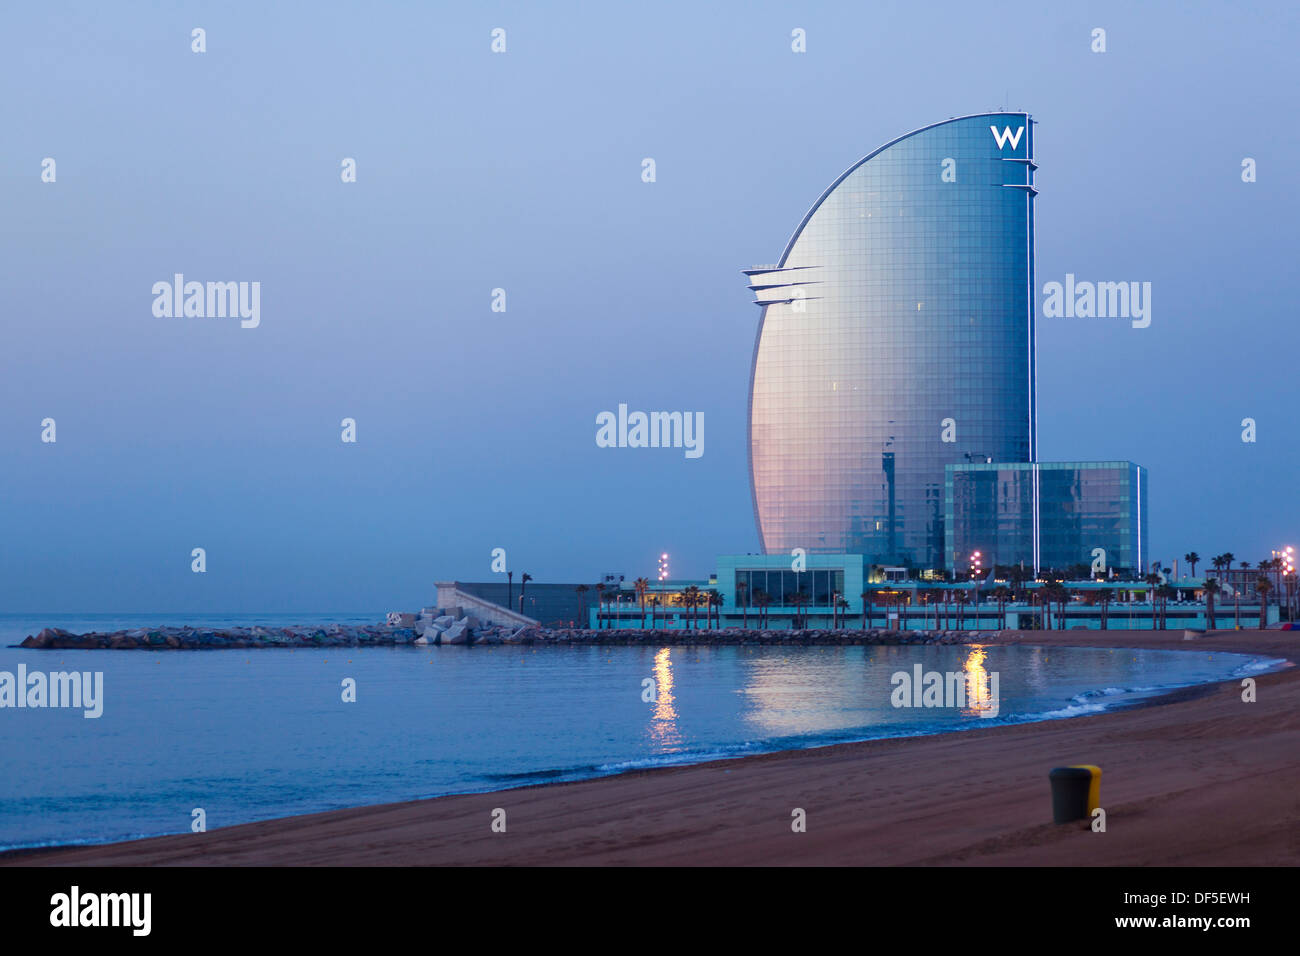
x=1199, y=778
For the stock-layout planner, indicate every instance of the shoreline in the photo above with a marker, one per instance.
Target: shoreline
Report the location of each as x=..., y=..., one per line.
x=828, y=778
x=1155, y=698
x=1171, y=695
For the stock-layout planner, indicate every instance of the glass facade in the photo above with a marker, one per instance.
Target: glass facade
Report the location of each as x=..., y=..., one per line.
x=740, y=577
x=896, y=338
x=1047, y=515
x=781, y=586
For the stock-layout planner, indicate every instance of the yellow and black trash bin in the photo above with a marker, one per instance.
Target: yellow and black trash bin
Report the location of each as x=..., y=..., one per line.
x=1076, y=792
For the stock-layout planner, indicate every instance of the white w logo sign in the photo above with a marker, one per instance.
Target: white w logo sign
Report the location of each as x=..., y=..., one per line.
x=1006, y=136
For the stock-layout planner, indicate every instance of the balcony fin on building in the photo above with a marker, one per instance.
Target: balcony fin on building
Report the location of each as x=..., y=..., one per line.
x=780, y=285
x=787, y=300
x=760, y=270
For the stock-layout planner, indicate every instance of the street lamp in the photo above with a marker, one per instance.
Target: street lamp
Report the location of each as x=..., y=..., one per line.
x=1284, y=563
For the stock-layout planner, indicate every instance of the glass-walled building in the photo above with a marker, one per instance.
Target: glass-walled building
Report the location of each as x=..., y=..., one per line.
x=896, y=338
x=1047, y=515
x=784, y=582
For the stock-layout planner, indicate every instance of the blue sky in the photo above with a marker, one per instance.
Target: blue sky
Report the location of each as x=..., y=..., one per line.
x=522, y=171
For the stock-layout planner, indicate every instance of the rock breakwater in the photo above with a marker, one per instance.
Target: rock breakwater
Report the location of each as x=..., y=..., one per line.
x=467, y=632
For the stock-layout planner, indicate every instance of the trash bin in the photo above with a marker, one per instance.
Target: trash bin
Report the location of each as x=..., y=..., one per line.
x=1071, y=790
x=1094, y=791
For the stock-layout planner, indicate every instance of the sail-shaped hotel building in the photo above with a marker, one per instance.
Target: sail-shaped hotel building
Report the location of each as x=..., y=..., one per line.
x=896, y=338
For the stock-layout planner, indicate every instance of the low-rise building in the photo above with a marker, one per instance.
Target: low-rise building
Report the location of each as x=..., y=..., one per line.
x=1046, y=515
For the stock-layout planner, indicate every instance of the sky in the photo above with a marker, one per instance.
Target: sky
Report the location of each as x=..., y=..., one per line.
x=522, y=171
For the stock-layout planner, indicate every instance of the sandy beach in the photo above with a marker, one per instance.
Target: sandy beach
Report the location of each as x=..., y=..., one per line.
x=1199, y=778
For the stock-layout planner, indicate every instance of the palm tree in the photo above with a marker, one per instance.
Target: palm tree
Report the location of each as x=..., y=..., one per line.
x=1104, y=596
x=1165, y=591
x=692, y=595
x=642, y=586
x=1263, y=586
x=582, y=590
x=886, y=601
x=1211, y=588
x=742, y=592
x=1001, y=594
x=1048, y=592
x=1017, y=577
x=523, y=586
x=510, y=591
x=715, y=607
x=961, y=597
x=866, y=610
x=1153, y=587
x=1192, y=558
x=1052, y=593
x=800, y=601
x=600, y=606
x=1223, y=564
x=761, y=600
x=654, y=603
x=844, y=607
x=1278, y=566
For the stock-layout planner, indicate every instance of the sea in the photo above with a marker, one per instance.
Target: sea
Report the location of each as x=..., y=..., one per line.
x=232, y=736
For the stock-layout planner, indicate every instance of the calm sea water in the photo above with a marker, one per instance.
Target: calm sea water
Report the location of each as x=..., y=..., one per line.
x=248, y=735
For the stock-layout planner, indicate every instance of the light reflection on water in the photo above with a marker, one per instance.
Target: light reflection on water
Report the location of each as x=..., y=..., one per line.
x=663, y=722
x=980, y=690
